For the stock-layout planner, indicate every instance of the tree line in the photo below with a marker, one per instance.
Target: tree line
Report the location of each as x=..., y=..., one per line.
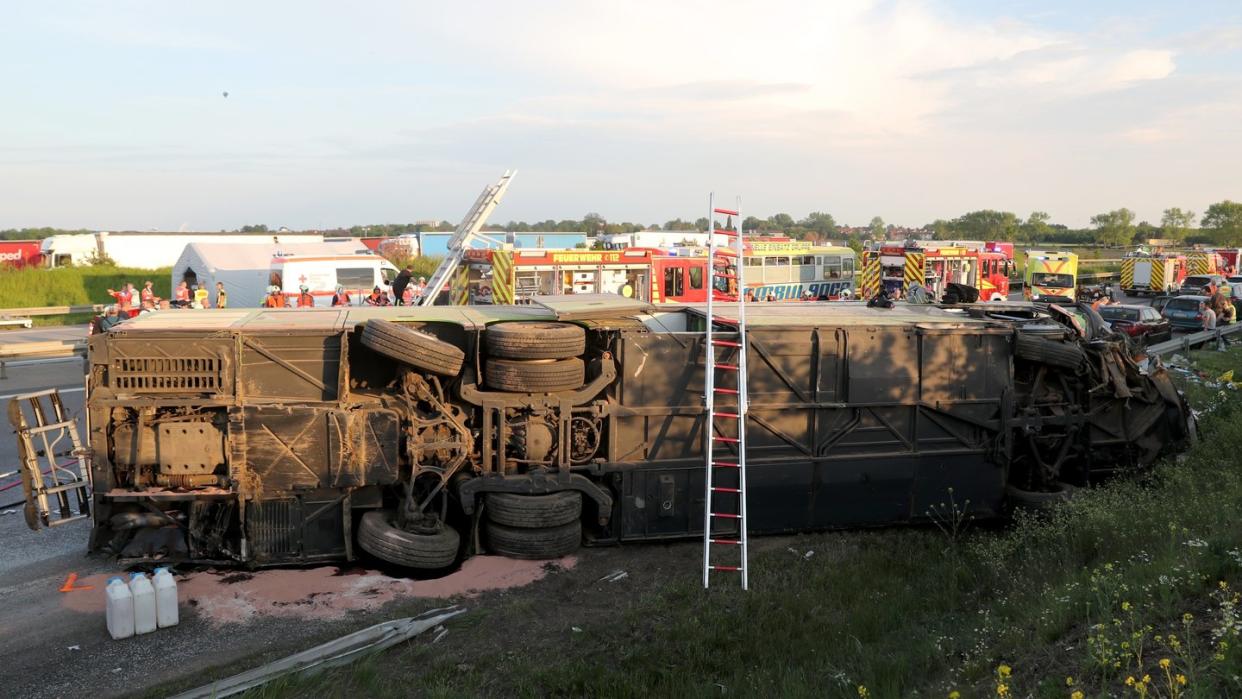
x=1221, y=224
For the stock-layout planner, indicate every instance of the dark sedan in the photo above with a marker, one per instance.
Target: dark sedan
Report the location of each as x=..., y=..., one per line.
x=1196, y=284
x=1142, y=323
x=1183, y=312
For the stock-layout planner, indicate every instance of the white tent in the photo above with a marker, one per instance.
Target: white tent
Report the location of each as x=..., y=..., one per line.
x=244, y=269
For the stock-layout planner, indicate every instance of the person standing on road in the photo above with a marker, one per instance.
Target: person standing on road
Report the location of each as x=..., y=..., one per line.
x=400, y=283
x=148, y=294
x=377, y=298
x=917, y=293
x=201, y=297
x=222, y=296
x=1209, y=316
x=305, y=300
x=341, y=297
x=1221, y=306
x=181, y=296
x=274, y=299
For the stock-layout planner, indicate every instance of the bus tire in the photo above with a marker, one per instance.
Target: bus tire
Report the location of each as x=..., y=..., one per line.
x=534, y=511
x=1045, y=351
x=535, y=340
x=533, y=544
x=407, y=345
x=378, y=536
x=1037, y=500
x=540, y=376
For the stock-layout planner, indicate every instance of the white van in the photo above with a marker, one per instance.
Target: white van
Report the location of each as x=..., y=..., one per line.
x=358, y=273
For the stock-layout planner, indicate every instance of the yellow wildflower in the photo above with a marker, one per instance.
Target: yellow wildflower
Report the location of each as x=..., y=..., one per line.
x=862, y=691
x=1077, y=694
x=1187, y=618
x=1130, y=681
x=1181, y=679
x=1224, y=585
x=955, y=694
x=1164, y=663
x=1146, y=679
x=1125, y=606
x=1002, y=690
x=1069, y=681
x=1004, y=670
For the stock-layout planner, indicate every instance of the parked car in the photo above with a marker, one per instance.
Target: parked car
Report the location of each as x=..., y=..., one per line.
x=1196, y=284
x=1143, y=324
x=1183, y=312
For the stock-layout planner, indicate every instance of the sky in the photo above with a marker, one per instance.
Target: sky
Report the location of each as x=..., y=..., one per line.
x=114, y=114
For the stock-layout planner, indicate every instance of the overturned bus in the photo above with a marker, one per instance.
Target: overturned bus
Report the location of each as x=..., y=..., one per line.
x=422, y=435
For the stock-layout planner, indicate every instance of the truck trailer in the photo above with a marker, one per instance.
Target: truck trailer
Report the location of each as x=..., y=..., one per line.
x=422, y=435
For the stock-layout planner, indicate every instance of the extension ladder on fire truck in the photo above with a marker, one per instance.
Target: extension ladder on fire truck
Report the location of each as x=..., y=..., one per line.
x=54, y=470
x=724, y=500
x=466, y=233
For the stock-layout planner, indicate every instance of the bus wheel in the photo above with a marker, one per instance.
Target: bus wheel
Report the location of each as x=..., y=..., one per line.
x=535, y=340
x=534, y=511
x=418, y=349
x=429, y=547
x=533, y=544
x=537, y=376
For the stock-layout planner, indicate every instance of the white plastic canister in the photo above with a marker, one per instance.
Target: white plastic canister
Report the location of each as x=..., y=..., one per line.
x=144, y=603
x=165, y=598
x=119, y=610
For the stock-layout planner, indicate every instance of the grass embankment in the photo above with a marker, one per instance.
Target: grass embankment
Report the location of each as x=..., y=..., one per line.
x=1128, y=590
x=73, y=286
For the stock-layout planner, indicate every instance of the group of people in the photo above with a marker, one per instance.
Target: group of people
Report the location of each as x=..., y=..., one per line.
x=405, y=292
x=1218, y=309
x=129, y=302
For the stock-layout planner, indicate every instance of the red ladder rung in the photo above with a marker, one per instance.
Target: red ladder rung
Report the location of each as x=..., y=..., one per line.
x=722, y=489
x=726, y=464
x=726, y=212
x=734, y=542
x=726, y=515
x=731, y=440
x=726, y=343
x=726, y=415
x=731, y=569
x=727, y=367
x=732, y=391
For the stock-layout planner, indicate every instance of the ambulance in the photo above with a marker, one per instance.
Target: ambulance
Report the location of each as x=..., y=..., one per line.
x=1050, y=276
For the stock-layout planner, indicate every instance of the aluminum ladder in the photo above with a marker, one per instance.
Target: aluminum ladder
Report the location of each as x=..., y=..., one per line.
x=466, y=233
x=724, y=498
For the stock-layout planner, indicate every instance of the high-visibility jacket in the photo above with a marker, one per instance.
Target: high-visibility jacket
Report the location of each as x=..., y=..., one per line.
x=306, y=301
x=274, y=301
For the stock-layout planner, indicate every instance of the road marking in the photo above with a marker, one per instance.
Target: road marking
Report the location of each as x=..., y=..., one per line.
x=33, y=390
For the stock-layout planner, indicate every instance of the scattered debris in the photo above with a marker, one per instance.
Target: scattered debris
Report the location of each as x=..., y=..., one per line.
x=614, y=576
x=342, y=651
x=807, y=555
x=72, y=586
x=74, y=647
x=441, y=632
x=9, y=512
x=575, y=629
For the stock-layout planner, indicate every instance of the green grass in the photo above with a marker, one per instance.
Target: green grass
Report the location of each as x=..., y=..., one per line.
x=73, y=286
x=1081, y=598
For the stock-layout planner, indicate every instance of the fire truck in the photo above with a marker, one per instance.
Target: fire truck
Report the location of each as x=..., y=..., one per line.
x=894, y=267
x=1152, y=274
x=1205, y=262
x=780, y=271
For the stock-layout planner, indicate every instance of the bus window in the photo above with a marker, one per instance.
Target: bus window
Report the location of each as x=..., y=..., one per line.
x=673, y=284
x=776, y=270
x=847, y=266
x=807, y=260
x=754, y=261
x=832, y=267
x=696, y=277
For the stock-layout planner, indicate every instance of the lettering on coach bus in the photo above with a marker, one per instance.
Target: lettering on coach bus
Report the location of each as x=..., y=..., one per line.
x=787, y=292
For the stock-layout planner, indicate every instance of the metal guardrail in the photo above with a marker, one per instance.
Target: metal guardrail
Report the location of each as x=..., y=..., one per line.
x=52, y=349
x=1190, y=340
x=50, y=310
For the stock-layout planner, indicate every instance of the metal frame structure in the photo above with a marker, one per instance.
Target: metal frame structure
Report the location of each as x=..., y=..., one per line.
x=715, y=496
x=466, y=233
